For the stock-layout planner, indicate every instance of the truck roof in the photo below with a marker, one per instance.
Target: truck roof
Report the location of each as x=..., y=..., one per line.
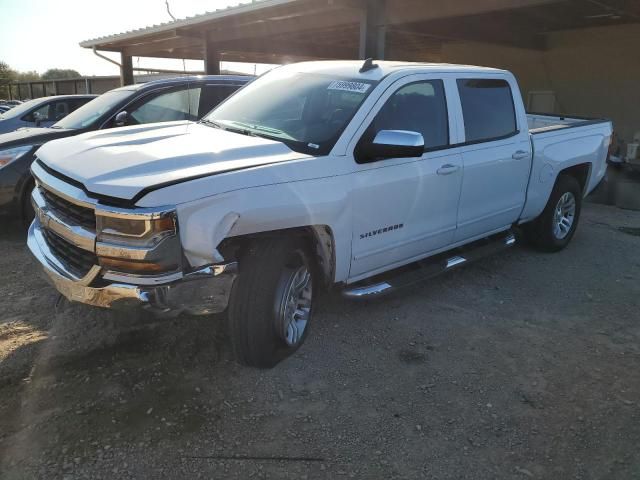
x=351, y=68
x=188, y=79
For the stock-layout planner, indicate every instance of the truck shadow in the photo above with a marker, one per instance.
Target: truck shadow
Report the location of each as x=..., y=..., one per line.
x=112, y=374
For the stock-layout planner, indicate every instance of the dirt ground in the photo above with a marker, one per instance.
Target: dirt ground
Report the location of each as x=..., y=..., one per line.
x=523, y=365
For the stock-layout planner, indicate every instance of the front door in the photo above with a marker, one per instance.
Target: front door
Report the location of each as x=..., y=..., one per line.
x=406, y=207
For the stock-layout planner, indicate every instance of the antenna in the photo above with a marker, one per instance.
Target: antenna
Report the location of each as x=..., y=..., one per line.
x=166, y=2
x=368, y=65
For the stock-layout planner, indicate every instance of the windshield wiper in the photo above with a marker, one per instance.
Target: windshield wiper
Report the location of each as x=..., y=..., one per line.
x=227, y=128
x=276, y=134
x=271, y=130
x=211, y=123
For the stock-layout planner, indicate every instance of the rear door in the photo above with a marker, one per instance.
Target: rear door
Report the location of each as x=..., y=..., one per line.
x=496, y=153
x=404, y=208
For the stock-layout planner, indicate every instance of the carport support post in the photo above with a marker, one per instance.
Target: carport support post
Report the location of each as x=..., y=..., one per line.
x=211, y=58
x=373, y=30
x=126, y=69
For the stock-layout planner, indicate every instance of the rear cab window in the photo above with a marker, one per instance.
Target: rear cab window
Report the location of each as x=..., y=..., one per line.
x=488, y=109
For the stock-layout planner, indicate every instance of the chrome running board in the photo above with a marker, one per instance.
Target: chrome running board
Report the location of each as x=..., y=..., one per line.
x=428, y=268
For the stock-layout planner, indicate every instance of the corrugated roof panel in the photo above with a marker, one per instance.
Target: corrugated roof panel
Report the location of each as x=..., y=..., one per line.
x=186, y=22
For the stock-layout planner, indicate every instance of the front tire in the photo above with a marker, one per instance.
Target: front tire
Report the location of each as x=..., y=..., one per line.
x=271, y=302
x=554, y=228
x=27, y=213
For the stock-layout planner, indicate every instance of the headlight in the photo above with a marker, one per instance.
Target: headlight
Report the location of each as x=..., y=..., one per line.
x=12, y=154
x=134, y=231
x=138, y=245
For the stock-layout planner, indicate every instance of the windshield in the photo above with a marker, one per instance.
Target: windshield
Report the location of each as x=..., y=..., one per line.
x=91, y=111
x=307, y=112
x=23, y=108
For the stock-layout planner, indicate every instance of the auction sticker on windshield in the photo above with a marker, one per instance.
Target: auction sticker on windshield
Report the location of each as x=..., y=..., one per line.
x=356, y=87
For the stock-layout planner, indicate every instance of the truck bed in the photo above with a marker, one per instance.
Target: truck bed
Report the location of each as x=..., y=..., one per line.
x=543, y=122
x=560, y=143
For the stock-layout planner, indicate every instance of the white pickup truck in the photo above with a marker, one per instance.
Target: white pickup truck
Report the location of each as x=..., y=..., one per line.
x=361, y=177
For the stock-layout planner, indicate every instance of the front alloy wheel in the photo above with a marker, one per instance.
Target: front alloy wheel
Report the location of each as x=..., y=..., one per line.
x=294, y=309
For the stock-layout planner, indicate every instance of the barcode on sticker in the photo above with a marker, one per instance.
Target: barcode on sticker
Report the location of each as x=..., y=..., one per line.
x=356, y=87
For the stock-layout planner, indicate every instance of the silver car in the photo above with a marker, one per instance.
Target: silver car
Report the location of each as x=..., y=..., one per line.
x=41, y=112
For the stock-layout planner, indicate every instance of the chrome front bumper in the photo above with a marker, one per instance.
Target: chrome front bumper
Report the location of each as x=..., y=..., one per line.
x=204, y=291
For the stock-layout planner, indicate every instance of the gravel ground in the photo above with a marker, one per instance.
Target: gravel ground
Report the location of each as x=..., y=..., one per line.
x=523, y=365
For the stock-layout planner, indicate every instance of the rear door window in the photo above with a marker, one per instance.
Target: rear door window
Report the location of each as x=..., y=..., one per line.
x=59, y=110
x=213, y=95
x=488, y=109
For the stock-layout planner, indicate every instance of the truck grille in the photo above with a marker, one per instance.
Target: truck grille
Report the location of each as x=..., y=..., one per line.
x=79, y=261
x=78, y=215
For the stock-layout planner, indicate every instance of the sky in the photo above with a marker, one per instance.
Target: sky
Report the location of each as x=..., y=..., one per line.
x=42, y=34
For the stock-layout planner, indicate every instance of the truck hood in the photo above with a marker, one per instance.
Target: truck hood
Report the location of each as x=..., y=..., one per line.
x=125, y=163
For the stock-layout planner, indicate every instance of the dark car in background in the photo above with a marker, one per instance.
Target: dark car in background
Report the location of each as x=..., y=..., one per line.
x=11, y=103
x=182, y=98
x=41, y=112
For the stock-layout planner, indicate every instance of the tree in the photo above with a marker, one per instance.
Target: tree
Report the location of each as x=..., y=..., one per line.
x=6, y=77
x=60, y=73
x=30, y=76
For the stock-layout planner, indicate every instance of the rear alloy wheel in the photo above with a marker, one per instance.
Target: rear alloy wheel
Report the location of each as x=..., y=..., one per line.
x=271, y=302
x=554, y=228
x=564, y=215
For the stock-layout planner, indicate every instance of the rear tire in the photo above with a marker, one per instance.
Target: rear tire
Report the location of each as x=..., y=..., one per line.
x=554, y=228
x=271, y=302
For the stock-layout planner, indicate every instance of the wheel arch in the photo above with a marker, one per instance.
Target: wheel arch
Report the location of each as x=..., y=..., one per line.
x=580, y=172
x=318, y=238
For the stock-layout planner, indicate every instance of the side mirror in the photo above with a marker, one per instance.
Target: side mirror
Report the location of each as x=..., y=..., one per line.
x=392, y=144
x=121, y=119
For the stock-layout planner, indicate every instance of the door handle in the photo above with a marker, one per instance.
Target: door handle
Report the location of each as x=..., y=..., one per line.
x=519, y=155
x=447, y=169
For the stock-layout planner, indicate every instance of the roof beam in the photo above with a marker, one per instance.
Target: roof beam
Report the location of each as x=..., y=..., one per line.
x=266, y=27
x=162, y=46
x=470, y=29
x=408, y=11
x=252, y=57
x=293, y=48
